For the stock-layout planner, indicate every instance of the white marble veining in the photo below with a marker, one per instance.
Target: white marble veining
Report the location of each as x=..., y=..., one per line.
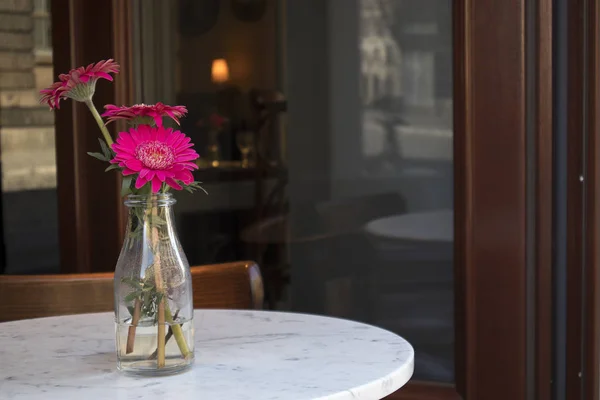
x=239, y=355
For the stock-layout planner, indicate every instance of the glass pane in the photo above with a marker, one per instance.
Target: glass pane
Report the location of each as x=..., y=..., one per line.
x=29, y=229
x=333, y=169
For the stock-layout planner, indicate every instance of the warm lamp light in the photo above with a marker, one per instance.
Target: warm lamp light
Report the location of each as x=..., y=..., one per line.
x=220, y=71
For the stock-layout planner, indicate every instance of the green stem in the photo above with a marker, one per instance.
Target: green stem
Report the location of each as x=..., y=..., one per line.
x=177, y=331
x=175, y=328
x=100, y=122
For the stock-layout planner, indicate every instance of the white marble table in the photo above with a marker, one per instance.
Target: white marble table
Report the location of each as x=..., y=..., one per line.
x=239, y=355
x=431, y=226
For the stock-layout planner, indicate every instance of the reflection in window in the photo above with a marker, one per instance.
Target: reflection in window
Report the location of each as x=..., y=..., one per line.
x=406, y=93
x=28, y=202
x=350, y=212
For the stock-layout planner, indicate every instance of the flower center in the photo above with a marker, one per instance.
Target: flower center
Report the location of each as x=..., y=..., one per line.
x=155, y=155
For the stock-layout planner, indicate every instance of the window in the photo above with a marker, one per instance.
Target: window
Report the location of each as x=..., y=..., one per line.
x=27, y=142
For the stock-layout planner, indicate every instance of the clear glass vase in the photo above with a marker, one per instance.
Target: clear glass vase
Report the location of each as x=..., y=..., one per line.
x=153, y=292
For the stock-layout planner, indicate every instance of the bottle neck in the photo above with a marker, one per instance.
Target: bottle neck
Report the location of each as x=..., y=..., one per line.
x=150, y=201
x=151, y=213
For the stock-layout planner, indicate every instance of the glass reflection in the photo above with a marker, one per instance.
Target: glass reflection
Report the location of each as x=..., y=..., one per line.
x=335, y=160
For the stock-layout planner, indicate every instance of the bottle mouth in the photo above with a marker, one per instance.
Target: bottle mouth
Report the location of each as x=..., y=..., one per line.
x=145, y=200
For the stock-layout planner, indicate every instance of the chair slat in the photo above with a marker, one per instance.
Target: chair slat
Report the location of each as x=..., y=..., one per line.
x=236, y=285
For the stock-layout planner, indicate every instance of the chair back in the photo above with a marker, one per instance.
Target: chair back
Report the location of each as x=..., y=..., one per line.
x=235, y=285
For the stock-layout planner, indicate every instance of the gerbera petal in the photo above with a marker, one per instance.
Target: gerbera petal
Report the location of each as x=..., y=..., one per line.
x=123, y=149
x=139, y=182
x=104, y=75
x=185, y=176
x=160, y=175
x=155, y=111
x=145, y=133
x=188, y=157
x=172, y=138
x=128, y=171
x=134, y=164
x=156, y=184
x=126, y=139
x=144, y=172
x=187, y=152
x=189, y=165
x=163, y=134
x=179, y=137
x=171, y=182
x=185, y=146
x=136, y=135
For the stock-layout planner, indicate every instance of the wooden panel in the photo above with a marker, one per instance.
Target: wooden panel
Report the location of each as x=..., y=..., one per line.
x=88, y=198
x=72, y=219
x=460, y=16
x=544, y=201
x=591, y=377
x=235, y=285
x=575, y=214
x=122, y=25
x=425, y=391
x=490, y=202
x=232, y=285
x=33, y=296
x=583, y=202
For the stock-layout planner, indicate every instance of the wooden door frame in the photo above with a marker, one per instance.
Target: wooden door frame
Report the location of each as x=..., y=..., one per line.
x=583, y=201
x=544, y=202
x=591, y=330
x=503, y=211
x=89, y=204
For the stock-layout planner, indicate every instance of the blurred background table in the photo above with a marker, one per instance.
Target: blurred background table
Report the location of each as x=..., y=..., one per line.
x=431, y=226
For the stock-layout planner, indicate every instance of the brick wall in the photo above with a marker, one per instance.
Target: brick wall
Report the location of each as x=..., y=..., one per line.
x=26, y=127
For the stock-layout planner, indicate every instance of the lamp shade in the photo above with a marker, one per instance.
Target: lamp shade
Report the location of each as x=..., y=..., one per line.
x=220, y=71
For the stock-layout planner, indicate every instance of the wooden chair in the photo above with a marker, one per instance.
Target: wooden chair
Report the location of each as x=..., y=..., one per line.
x=236, y=285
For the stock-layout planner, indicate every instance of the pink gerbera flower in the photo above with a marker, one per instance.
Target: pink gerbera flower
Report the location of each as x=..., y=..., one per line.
x=157, y=154
x=145, y=113
x=79, y=84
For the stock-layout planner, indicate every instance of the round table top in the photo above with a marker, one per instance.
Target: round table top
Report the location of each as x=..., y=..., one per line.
x=239, y=355
x=434, y=226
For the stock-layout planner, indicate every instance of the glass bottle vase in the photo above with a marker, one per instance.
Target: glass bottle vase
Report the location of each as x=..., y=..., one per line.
x=153, y=291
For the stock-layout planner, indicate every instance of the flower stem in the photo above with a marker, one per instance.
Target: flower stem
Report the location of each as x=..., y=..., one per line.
x=135, y=318
x=160, y=346
x=178, y=333
x=164, y=311
x=161, y=339
x=100, y=122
